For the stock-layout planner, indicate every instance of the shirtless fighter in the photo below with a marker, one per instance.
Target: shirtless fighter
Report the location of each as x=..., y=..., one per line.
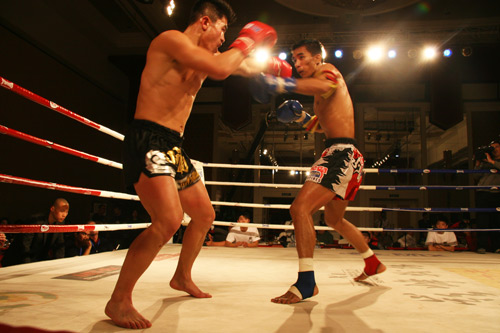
x=335, y=178
x=155, y=164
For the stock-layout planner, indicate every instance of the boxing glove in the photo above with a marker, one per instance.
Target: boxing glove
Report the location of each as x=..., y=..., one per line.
x=288, y=111
x=253, y=34
x=264, y=86
x=278, y=67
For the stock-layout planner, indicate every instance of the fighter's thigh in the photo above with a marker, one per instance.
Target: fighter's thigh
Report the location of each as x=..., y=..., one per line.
x=334, y=212
x=160, y=198
x=196, y=202
x=312, y=197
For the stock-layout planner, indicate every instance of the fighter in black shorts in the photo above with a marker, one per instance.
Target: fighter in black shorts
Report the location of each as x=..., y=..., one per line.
x=156, y=150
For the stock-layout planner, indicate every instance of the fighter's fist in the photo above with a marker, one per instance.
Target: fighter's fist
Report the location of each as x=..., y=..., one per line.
x=264, y=86
x=288, y=111
x=278, y=67
x=255, y=34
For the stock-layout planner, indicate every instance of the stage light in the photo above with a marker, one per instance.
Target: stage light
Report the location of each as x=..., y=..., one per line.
x=339, y=54
x=447, y=53
x=292, y=172
x=374, y=53
x=391, y=54
x=264, y=151
x=170, y=8
x=282, y=55
x=429, y=53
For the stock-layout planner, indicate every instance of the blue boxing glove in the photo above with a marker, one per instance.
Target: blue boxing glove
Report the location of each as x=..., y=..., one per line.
x=264, y=86
x=288, y=111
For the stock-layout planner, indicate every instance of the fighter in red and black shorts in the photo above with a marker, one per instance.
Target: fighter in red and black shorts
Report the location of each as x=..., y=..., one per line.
x=339, y=169
x=156, y=150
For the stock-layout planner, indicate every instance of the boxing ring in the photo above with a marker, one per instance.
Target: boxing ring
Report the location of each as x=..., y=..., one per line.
x=420, y=291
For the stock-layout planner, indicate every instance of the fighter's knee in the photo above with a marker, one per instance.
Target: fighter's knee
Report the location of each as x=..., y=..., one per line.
x=166, y=227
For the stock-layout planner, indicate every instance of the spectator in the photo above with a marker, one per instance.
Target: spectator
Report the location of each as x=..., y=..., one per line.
x=488, y=241
x=384, y=238
x=31, y=247
x=216, y=236
x=372, y=244
x=465, y=238
x=78, y=244
x=99, y=244
x=243, y=236
x=407, y=240
x=324, y=236
x=440, y=240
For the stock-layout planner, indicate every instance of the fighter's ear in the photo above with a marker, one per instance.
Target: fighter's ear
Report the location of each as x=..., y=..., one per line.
x=205, y=22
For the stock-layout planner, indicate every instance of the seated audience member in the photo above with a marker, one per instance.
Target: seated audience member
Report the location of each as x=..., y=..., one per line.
x=369, y=240
x=465, y=238
x=324, y=236
x=78, y=244
x=243, y=236
x=216, y=236
x=440, y=240
x=407, y=240
x=32, y=247
x=98, y=244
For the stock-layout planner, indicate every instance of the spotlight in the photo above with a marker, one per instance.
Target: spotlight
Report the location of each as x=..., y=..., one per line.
x=339, y=54
x=447, y=53
x=292, y=172
x=429, y=53
x=391, y=54
x=374, y=53
x=264, y=151
x=170, y=7
x=282, y=55
x=466, y=51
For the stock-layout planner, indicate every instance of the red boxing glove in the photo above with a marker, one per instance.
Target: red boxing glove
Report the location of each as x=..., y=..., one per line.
x=255, y=34
x=278, y=67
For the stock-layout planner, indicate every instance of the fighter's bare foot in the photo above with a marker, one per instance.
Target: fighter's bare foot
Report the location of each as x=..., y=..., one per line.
x=365, y=275
x=189, y=287
x=291, y=298
x=125, y=315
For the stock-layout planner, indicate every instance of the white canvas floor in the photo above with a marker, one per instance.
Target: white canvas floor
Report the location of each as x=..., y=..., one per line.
x=420, y=292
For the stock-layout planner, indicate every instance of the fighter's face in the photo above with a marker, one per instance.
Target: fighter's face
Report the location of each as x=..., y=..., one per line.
x=216, y=34
x=305, y=63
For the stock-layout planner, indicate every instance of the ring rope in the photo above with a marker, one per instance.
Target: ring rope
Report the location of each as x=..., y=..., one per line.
x=117, y=195
x=367, y=170
x=362, y=187
x=61, y=148
x=60, y=228
x=66, y=188
x=53, y=106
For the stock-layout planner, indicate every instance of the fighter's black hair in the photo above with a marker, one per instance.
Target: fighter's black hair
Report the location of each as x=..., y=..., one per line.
x=215, y=9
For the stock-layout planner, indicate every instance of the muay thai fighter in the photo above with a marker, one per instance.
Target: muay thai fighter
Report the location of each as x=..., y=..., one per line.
x=335, y=178
x=155, y=164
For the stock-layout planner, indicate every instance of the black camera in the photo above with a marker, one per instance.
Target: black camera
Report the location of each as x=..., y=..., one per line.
x=481, y=152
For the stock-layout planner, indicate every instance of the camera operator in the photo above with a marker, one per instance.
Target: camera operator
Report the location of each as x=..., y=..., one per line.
x=488, y=158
